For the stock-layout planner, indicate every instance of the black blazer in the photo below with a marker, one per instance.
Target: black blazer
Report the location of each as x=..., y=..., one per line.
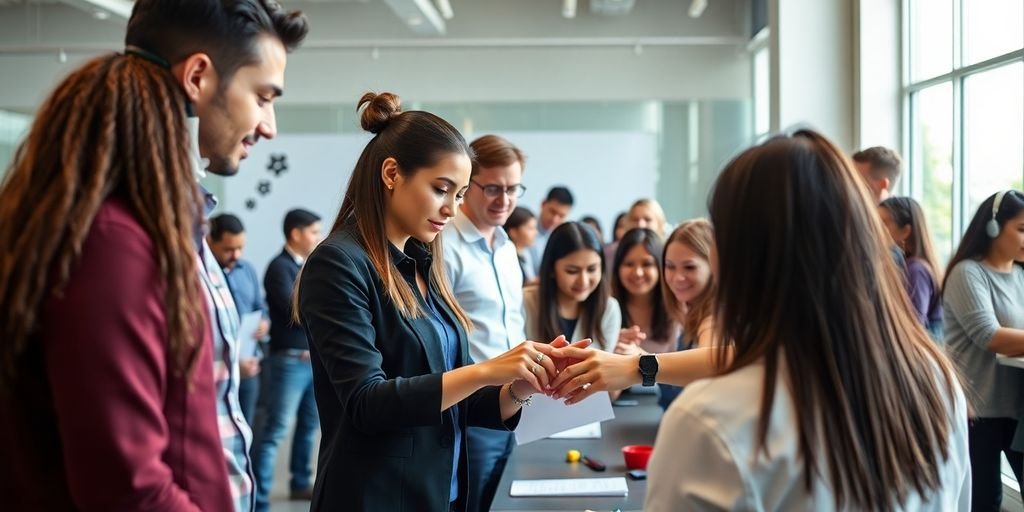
x=386, y=445
x=279, y=281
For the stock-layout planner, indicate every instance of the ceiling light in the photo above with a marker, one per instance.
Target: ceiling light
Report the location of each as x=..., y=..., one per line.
x=568, y=9
x=103, y=9
x=697, y=8
x=445, y=8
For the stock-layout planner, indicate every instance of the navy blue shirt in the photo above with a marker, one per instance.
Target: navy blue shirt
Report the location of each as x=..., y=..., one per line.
x=568, y=325
x=245, y=288
x=450, y=348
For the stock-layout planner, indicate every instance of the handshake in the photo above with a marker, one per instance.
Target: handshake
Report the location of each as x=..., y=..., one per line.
x=562, y=370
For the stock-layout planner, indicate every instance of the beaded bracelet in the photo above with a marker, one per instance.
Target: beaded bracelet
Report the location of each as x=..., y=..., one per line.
x=519, y=401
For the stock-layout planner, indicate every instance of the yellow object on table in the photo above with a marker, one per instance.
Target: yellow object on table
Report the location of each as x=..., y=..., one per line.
x=572, y=456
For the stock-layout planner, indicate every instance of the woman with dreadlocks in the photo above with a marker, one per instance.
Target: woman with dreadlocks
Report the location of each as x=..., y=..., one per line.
x=106, y=378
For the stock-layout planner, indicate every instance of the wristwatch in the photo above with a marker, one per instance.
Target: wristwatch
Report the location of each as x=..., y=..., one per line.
x=648, y=368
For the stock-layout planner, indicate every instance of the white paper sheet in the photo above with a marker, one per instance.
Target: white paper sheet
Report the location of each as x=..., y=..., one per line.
x=547, y=416
x=1010, y=361
x=247, y=334
x=589, y=431
x=614, y=486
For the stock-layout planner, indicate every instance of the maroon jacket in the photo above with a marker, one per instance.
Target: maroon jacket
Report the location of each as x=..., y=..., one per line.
x=100, y=418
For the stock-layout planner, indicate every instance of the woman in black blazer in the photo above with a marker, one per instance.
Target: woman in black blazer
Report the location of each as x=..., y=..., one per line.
x=394, y=384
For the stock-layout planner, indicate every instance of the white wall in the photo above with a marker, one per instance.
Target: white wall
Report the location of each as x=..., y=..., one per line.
x=319, y=167
x=812, y=49
x=878, y=98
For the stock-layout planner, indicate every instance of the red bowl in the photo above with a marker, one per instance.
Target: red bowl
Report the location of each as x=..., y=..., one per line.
x=637, y=455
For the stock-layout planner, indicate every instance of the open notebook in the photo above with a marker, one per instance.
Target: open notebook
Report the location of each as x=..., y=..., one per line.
x=1010, y=361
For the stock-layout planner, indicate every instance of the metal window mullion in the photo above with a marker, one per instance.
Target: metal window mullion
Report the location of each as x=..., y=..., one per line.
x=958, y=34
x=960, y=174
x=916, y=168
x=914, y=179
x=985, y=65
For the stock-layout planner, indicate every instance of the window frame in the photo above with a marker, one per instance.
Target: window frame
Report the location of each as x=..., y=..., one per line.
x=913, y=184
x=957, y=77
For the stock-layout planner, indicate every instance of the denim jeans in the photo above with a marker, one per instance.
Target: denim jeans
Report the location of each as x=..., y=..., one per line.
x=248, y=394
x=488, y=452
x=288, y=397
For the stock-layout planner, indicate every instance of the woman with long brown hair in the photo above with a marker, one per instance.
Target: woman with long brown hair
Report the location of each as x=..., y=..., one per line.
x=904, y=220
x=688, y=286
x=391, y=367
x=647, y=326
x=832, y=395
x=103, y=335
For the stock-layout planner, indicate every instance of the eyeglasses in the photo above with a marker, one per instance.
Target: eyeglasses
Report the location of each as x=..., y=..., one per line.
x=493, y=191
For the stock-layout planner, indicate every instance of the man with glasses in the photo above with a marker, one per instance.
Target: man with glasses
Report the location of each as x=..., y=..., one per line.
x=484, y=272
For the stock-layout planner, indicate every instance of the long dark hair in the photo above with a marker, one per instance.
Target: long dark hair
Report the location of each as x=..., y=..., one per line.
x=115, y=127
x=416, y=140
x=651, y=242
x=619, y=219
x=976, y=243
x=806, y=285
x=564, y=240
x=905, y=211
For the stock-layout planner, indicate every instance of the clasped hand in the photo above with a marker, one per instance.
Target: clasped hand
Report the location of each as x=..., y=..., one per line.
x=561, y=370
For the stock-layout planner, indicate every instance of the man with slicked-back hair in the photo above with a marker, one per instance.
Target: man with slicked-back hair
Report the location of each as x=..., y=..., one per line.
x=229, y=56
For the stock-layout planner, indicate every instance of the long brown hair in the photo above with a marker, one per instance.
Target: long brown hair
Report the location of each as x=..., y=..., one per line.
x=806, y=285
x=905, y=211
x=115, y=127
x=698, y=235
x=416, y=140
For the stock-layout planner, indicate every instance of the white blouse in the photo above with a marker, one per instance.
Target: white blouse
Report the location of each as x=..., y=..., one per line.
x=704, y=455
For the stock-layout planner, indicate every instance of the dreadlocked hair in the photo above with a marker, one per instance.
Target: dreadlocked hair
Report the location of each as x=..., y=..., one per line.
x=115, y=127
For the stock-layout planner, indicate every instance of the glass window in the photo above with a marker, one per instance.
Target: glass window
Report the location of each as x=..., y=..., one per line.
x=932, y=160
x=989, y=103
x=931, y=38
x=992, y=28
x=993, y=132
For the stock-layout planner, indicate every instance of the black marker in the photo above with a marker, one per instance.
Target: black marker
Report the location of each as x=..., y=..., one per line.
x=594, y=464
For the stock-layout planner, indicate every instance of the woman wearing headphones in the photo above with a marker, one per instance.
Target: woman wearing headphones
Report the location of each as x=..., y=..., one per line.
x=983, y=299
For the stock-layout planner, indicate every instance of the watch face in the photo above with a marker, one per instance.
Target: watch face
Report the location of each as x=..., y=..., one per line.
x=648, y=364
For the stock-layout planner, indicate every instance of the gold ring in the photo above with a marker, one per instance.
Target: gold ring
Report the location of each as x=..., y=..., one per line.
x=540, y=357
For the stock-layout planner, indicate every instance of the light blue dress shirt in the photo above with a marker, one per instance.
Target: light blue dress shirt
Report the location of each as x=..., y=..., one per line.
x=488, y=284
x=535, y=254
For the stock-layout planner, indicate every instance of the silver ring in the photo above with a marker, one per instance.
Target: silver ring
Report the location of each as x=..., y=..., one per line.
x=540, y=357
x=585, y=386
x=535, y=368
